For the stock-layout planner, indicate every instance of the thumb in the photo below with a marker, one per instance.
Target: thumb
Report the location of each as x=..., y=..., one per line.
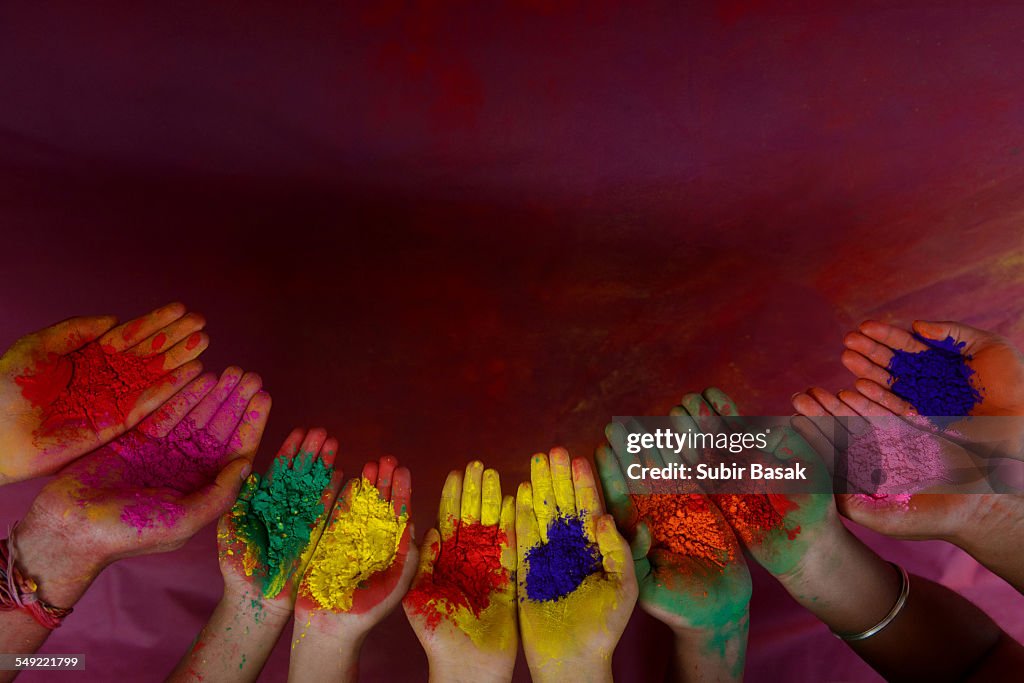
x=216, y=498
x=74, y=333
x=641, y=543
x=940, y=331
x=429, y=550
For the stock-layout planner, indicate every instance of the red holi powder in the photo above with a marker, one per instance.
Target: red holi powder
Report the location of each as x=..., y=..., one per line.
x=159, y=341
x=754, y=515
x=687, y=525
x=94, y=387
x=193, y=341
x=466, y=573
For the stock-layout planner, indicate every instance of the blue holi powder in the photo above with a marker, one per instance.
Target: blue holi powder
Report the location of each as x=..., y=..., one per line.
x=936, y=381
x=557, y=568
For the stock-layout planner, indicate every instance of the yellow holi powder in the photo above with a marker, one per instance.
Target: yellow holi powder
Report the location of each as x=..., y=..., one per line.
x=357, y=544
x=543, y=623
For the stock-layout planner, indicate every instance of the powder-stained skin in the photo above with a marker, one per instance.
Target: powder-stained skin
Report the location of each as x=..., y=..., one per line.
x=360, y=542
x=557, y=568
x=466, y=574
x=688, y=525
x=936, y=381
x=93, y=388
x=275, y=516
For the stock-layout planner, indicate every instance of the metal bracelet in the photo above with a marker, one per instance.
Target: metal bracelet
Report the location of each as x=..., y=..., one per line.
x=900, y=602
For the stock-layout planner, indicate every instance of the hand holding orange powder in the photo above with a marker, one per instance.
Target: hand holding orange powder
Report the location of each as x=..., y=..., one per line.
x=77, y=385
x=462, y=603
x=361, y=568
x=689, y=565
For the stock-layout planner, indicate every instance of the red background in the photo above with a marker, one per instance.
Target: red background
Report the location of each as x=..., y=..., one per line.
x=445, y=231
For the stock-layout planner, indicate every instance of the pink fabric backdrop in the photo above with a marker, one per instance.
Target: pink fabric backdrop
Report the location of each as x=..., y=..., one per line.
x=446, y=231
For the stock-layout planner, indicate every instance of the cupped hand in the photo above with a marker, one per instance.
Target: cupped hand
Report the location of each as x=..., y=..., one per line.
x=265, y=541
x=154, y=487
x=364, y=560
x=689, y=564
x=72, y=387
x=777, y=528
x=577, y=586
x=462, y=603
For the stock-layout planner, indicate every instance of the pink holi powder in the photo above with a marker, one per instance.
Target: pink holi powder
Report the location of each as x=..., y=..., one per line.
x=892, y=461
x=184, y=460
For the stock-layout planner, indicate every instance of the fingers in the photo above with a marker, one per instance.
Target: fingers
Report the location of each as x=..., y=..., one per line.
x=207, y=408
x=128, y=334
x=615, y=553
x=74, y=333
x=543, y=493
x=702, y=413
x=290, y=448
x=401, y=491
x=879, y=394
x=587, y=503
x=807, y=405
x=451, y=504
x=231, y=411
x=247, y=436
x=385, y=475
x=472, y=493
x=167, y=416
x=860, y=366
x=490, y=509
x=616, y=493
x=370, y=472
x=184, y=351
x=527, y=528
x=507, y=526
x=213, y=500
x=155, y=396
x=329, y=451
x=863, y=405
x=562, y=480
x=890, y=336
x=181, y=330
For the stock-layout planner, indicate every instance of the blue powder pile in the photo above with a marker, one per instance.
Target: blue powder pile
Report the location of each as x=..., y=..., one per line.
x=936, y=381
x=558, y=567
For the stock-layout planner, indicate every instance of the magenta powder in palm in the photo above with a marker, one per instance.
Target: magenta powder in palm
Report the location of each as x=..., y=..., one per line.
x=936, y=381
x=892, y=461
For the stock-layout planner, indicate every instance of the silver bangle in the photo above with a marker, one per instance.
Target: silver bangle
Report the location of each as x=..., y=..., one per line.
x=900, y=601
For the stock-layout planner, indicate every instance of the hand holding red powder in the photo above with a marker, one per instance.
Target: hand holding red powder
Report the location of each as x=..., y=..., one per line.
x=577, y=587
x=148, y=491
x=72, y=387
x=688, y=562
x=264, y=543
x=359, y=571
x=462, y=603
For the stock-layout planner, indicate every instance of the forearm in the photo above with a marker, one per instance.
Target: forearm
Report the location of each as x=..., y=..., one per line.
x=701, y=655
x=234, y=644
x=461, y=671
x=596, y=668
x=937, y=635
x=323, y=654
x=61, y=579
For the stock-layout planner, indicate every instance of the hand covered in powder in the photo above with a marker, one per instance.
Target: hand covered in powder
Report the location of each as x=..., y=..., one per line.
x=76, y=385
x=688, y=562
x=984, y=524
x=778, y=529
x=577, y=586
x=359, y=571
x=943, y=369
x=154, y=487
x=267, y=537
x=462, y=603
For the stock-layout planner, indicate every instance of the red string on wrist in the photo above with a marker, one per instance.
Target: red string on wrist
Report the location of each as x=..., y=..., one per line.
x=20, y=592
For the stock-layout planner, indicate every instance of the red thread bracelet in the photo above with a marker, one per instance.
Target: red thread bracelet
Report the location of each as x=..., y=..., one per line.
x=19, y=592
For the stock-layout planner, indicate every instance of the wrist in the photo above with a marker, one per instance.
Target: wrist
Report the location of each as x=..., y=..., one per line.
x=249, y=602
x=50, y=560
x=591, y=667
x=460, y=670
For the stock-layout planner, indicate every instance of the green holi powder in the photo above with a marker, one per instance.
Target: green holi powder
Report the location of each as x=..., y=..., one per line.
x=275, y=514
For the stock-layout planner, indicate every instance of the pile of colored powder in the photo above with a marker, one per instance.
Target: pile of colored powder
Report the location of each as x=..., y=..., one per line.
x=466, y=573
x=891, y=461
x=185, y=459
x=557, y=568
x=275, y=515
x=754, y=515
x=686, y=524
x=359, y=543
x=936, y=381
x=93, y=387
x=146, y=511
